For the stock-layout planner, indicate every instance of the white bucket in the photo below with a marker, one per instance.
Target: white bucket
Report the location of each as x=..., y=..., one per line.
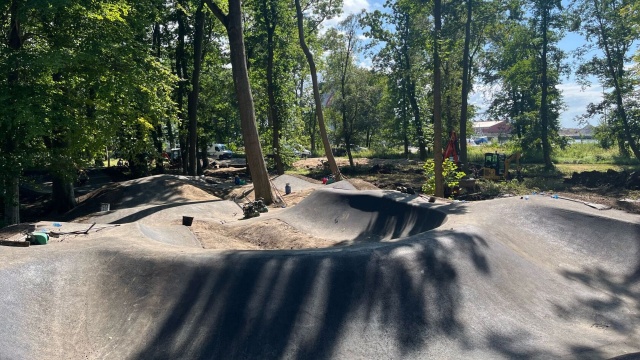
x=104, y=206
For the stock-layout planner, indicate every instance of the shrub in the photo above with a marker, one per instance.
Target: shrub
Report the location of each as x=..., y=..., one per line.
x=450, y=174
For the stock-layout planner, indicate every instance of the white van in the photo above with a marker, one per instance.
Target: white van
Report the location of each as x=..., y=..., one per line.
x=219, y=151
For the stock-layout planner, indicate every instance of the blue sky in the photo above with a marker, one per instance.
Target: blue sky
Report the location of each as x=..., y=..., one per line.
x=576, y=97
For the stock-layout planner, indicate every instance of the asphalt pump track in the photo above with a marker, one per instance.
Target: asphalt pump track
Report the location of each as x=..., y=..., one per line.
x=506, y=278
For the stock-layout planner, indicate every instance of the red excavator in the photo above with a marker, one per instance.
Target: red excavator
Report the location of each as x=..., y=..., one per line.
x=452, y=150
x=496, y=166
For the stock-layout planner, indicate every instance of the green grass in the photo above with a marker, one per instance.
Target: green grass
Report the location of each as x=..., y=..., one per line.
x=475, y=154
x=383, y=153
x=573, y=154
x=586, y=153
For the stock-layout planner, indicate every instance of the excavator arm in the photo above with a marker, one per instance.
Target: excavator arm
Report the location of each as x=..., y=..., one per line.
x=515, y=157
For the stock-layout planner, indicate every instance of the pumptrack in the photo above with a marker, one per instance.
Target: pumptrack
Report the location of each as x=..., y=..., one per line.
x=506, y=278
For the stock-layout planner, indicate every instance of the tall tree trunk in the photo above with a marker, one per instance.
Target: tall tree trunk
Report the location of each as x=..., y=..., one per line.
x=405, y=125
x=195, y=92
x=205, y=158
x=9, y=143
x=346, y=133
x=544, y=102
x=274, y=113
x=181, y=71
x=616, y=76
x=311, y=127
x=63, y=172
x=465, y=85
x=316, y=95
x=415, y=108
x=410, y=91
x=448, y=116
x=437, y=100
x=172, y=142
x=255, y=159
x=157, y=130
x=346, y=130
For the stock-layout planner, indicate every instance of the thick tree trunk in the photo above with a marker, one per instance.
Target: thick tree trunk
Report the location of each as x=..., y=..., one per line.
x=255, y=159
x=62, y=193
x=437, y=100
x=11, y=200
x=544, y=102
x=195, y=92
x=316, y=95
x=465, y=86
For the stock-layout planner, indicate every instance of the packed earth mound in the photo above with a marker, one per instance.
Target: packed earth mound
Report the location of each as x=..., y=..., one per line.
x=399, y=277
x=612, y=178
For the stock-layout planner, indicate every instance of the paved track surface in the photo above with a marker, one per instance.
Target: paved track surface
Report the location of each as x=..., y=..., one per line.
x=500, y=279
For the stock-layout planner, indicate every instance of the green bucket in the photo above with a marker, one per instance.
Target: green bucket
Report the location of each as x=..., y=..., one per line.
x=39, y=238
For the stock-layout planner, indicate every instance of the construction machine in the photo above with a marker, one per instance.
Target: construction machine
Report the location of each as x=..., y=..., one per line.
x=496, y=166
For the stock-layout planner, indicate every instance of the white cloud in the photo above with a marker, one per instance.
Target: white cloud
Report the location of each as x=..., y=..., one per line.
x=354, y=6
x=348, y=7
x=366, y=63
x=576, y=100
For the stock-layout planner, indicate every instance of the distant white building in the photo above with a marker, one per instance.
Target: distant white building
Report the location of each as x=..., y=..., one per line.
x=493, y=130
x=584, y=134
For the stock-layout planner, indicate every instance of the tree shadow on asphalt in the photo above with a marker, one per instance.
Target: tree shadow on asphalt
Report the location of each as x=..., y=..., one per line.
x=615, y=303
x=396, y=215
x=301, y=305
x=619, y=298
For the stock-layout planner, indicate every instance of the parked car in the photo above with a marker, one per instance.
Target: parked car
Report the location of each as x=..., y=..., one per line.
x=481, y=140
x=219, y=151
x=299, y=151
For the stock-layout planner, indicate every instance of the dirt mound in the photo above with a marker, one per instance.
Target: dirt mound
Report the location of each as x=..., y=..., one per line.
x=594, y=179
x=276, y=234
x=362, y=185
x=152, y=190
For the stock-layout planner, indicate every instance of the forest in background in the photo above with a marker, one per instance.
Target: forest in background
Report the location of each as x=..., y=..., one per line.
x=81, y=79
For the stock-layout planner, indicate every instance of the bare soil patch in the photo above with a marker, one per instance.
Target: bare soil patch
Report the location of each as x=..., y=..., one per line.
x=270, y=234
x=277, y=234
x=370, y=174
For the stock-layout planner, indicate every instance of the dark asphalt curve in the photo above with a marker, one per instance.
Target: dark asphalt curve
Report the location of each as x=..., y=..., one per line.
x=499, y=279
